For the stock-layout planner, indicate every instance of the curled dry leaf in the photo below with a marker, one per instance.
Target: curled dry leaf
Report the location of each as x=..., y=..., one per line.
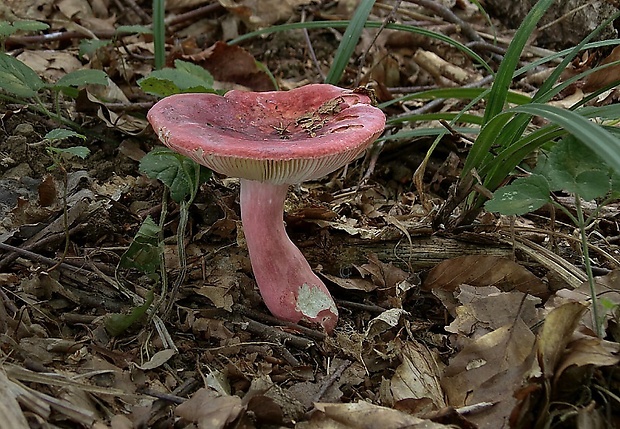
x=365, y=415
x=489, y=370
x=486, y=308
x=210, y=411
x=417, y=377
x=480, y=270
x=556, y=334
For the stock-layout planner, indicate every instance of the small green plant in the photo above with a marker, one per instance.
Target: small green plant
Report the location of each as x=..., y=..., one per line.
x=9, y=28
x=182, y=177
x=184, y=77
x=59, y=155
x=570, y=167
x=20, y=84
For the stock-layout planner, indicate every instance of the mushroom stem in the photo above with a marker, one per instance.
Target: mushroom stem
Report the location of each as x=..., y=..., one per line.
x=288, y=286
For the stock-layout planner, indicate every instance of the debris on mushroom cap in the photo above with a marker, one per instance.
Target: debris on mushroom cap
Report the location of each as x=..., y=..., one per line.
x=278, y=136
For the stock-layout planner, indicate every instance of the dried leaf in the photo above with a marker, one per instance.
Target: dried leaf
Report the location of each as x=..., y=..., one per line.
x=363, y=415
x=418, y=376
x=556, y=334
x=489, y=370
x=210, y=411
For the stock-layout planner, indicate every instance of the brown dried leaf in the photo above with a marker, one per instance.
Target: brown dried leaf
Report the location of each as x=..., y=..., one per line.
x=486, y=308
x=219, y=296
x=480, y=270
x=489, y=370
x=589, y=351
x=601, y=78
x=417, y=377
x=556, y=333
x=363, y=415
x=232, y=63
x=209, y=410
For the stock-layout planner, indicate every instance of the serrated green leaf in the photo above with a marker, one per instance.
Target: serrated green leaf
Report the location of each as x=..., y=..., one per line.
x=80, y=78
x=175, y=171
x=90, y=46
x=575, y=168
x=133, y=29
x=522, y=196
x=6, y=29
x=145, y=250
x=30, y=25
x=158, y=87
x=116, y=323
x=61, y=134
x=79, y=151
x=186, y=77
x=203, y=77
x=17, y=78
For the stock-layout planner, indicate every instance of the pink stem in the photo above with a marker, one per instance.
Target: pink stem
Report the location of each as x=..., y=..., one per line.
x=288, y=286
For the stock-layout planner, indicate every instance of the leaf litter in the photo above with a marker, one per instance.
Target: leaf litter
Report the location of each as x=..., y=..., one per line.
x=481, y=341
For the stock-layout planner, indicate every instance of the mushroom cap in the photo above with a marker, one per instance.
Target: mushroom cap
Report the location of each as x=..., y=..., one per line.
x=278, y=136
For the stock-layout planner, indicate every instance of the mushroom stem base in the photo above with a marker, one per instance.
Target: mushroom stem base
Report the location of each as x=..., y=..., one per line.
x=288, y=286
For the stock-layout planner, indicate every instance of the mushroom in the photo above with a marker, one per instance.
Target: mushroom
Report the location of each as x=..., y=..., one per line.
x=271, y=140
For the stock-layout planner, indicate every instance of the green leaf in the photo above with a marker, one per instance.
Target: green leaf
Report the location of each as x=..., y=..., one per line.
x=158, y=87
x=605, y=144
x=202, y=76
x=79, y=151
x=575, y=168
x=61, y=134
x=17, y=78
x=349, y=41
x=30, y=25
x=522, y=196
x=145, y=250
x=83, y=77
x=186, y=77
x=175, y=171
x=6, y=29
x=116, y=323
x=90, y=46
x=133, y=29
x=503, y=78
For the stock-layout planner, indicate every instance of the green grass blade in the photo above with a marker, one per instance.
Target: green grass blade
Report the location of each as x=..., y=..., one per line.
x=506, y=70
x=458, y=93
x=448, y=116
x=605, y=144
x=370, y=24
x=159, y=33
x=349, y=41
x=427, y=132
x=547, y=90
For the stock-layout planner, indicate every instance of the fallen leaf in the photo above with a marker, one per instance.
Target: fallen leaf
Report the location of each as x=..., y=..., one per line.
x=158, y=359
x=364, y=415
x=232, y=63
x=488, y=370
x=480, y=270
x=417, y=377
x=556, y=333
x=209, y=410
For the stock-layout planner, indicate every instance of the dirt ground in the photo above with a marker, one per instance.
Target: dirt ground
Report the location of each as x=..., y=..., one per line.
x=484, y=326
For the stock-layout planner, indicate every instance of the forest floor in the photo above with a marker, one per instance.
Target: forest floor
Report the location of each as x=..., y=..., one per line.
x=486, y=326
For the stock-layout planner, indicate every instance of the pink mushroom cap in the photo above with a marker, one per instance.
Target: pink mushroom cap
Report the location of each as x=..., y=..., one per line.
x=261, y=135
x=270, y=140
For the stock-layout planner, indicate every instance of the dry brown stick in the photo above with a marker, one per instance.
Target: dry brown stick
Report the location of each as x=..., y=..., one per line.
x=449, y=16
x=275, y=334
x=192, y=16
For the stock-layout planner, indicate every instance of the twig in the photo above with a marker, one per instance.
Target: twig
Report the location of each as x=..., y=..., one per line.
x=275, y=334
x=449, y=16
